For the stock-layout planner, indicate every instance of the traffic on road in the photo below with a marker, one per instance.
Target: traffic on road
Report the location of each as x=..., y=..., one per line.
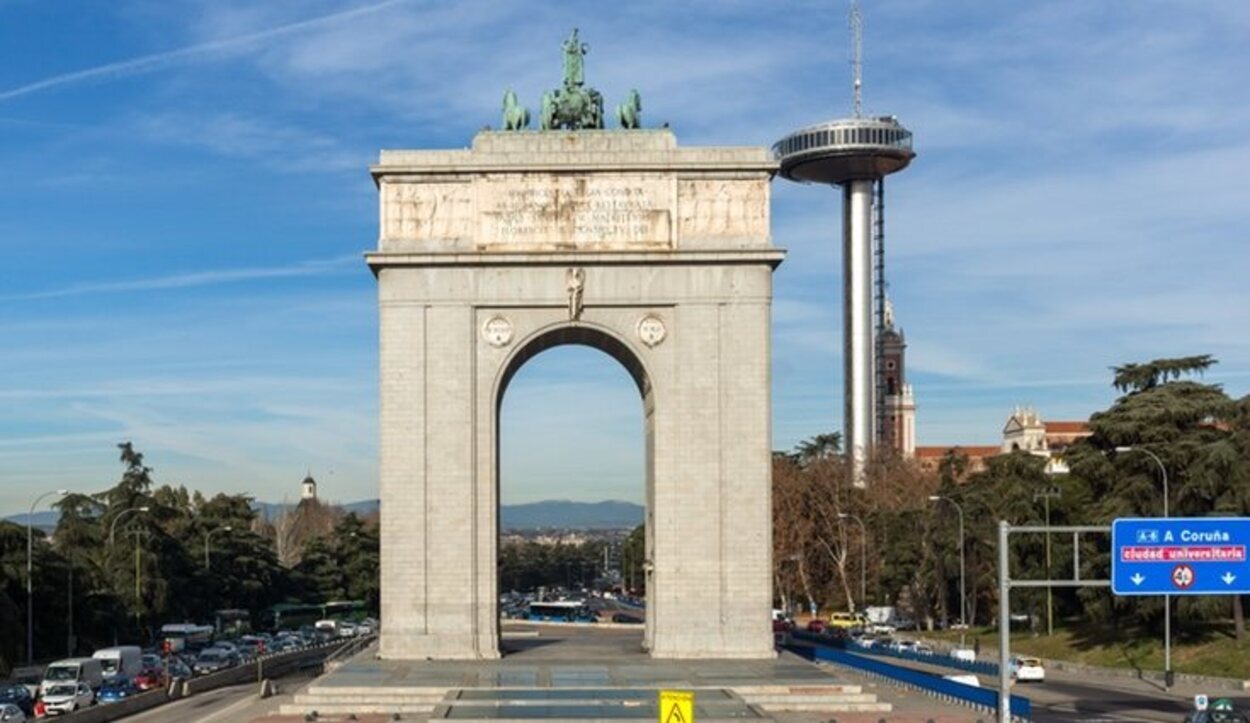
x=113, y=674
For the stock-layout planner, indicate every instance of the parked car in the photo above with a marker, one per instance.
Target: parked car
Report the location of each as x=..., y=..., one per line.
x=10, y=713
x=923, y=649
x=117, y=689
x=1027, y=670
x=61, y=698
x=965, y=654
x=347, y=629
x=816, y=625
x=18, y=695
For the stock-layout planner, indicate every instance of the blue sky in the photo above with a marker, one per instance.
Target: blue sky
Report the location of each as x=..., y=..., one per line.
x=184, y=203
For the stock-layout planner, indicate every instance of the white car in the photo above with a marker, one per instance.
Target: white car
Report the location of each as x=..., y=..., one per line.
x=923, y=649
x=1027, y=670
x=10, y=713
x=965, y=654
x=67, y=697
x=964, y=679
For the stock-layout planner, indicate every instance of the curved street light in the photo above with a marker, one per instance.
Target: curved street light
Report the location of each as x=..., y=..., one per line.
x=963, y=586
x=208, y=535
x=120, y=515
x=863, y=557
x=30, y=588
x=1167, y=599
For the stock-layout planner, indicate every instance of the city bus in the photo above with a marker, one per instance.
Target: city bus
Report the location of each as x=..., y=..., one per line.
x=186, y=636
x=563, y=611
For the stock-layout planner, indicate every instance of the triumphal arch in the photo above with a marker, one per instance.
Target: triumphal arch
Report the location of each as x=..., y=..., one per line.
x=658, y=254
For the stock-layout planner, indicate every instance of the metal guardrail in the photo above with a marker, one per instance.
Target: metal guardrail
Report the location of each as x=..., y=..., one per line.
x=984, y=699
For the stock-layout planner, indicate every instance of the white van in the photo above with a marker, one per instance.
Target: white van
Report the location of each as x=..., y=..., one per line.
x=73, y=670
x=327, y=628
x=123, y=660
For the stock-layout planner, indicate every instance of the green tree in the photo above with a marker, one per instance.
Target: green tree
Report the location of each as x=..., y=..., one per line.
x=1192, y=429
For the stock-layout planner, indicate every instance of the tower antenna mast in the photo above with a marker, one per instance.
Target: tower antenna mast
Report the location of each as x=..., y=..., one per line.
x=857, y=53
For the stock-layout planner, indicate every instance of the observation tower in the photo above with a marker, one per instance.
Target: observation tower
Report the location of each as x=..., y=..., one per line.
x=856, y=153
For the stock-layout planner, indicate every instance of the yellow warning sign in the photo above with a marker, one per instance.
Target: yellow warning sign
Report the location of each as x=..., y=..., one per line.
x=676, y=706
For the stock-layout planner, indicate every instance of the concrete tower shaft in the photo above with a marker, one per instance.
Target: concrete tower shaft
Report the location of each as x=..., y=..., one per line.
x=858, y=335
x=854, y=153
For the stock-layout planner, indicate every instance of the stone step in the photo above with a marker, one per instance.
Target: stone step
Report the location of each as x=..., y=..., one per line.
x=357, y=708
x=306, y=699
x=604, y=712
x=777, y=700
x=335, y=691
x=745, y=690
x=829, y=708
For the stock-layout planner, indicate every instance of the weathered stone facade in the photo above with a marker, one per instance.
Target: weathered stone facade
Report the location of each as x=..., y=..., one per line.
x=658, y=255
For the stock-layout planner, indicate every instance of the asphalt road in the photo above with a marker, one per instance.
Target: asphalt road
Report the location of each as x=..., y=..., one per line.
x=1073, y=698
x=225, y=705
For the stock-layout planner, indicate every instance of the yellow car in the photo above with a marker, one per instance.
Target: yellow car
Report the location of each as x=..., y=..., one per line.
x=846, y=620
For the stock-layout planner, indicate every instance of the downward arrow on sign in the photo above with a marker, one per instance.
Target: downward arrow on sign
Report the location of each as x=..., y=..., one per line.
x=1228, y=578
x=1137, y=579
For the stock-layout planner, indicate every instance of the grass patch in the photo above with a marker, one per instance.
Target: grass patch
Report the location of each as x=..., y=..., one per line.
x=1208, y=650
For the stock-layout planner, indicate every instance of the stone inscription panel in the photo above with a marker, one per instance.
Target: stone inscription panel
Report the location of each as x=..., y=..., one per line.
x=575, y=212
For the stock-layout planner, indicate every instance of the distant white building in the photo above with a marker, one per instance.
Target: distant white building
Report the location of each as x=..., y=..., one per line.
x=308, y=488
x=1026, y=431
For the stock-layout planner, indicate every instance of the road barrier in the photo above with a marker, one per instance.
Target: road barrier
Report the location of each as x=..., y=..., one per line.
x=983, y=699
x=980, y=667
x=258, y=669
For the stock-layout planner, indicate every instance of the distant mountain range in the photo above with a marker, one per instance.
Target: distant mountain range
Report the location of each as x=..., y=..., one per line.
x=607, y=515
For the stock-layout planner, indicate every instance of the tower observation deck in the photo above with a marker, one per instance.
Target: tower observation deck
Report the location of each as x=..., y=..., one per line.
x=855, y=153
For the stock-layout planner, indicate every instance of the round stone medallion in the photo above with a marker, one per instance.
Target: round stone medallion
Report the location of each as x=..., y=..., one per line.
x=651, y=330
x=497, y=331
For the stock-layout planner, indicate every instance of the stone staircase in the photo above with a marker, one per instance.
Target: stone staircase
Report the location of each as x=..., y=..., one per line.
x=577, y=704
x=411, y=703
x=811, y=699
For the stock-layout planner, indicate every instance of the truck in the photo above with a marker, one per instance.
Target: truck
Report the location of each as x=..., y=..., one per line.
x=881, y=618
x=123, y=660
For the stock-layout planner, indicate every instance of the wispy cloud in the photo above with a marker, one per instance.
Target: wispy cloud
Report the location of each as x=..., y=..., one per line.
x=156, y=61
x=315, y=267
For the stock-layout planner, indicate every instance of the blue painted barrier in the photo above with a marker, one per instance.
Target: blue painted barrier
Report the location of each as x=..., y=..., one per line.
x=980, y=667
x=984, y=698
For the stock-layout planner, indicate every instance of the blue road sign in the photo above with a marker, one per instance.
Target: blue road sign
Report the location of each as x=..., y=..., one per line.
x=1180, y=556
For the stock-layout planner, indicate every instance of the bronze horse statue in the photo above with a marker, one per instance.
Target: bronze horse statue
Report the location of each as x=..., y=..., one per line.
x=515, y=115
x=629, y=113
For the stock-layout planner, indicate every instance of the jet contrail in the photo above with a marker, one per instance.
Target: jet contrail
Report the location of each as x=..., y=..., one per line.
x=156, y=60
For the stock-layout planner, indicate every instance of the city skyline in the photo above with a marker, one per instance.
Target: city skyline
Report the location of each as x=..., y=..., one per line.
x=188, y=204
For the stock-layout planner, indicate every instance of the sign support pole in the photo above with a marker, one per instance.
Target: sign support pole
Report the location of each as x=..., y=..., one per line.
x=1004, y=626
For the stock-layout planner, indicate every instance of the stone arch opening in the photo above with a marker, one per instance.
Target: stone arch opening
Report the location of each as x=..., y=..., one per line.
x=620, y=351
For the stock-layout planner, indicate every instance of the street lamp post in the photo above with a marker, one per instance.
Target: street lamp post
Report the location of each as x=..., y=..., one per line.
x=112, y=537
x=1167, y=599
x=208, y=536
x=963, y=586
x=30, y=588
x=120, y=515
x=863, y=557
x=1046, y=495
